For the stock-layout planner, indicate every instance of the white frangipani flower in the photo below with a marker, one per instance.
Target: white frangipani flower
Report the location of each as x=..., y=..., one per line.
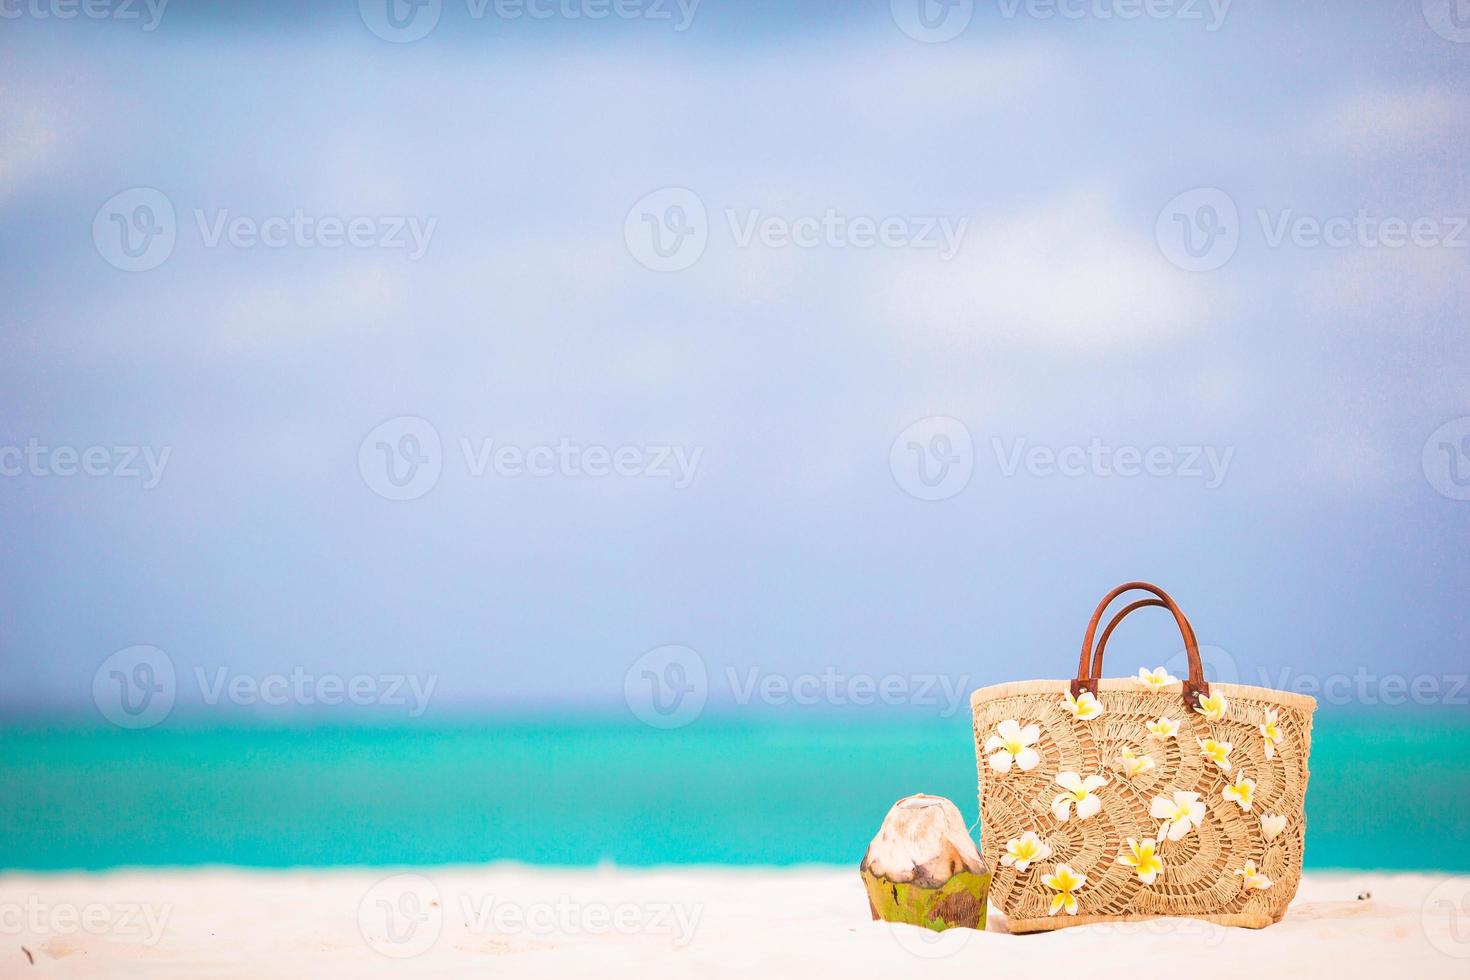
x=1164, y=727
x=1216, y=752
x=1065, y=882
x=1242, y=791
x=1134, y=764
x=1180, y=815
x=1078, y=793
x=1251, y=878
x=1025, y=850
x=1213, y=706
x=1157, y=679
x=1012, y=744
x=1084, y=707
x=1270, y=732
x=1142, y=857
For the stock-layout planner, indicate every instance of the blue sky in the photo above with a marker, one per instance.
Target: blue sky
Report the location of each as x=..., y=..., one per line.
x=1062, y=319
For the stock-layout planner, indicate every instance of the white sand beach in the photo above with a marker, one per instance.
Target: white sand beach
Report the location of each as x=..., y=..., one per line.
x=510, y=920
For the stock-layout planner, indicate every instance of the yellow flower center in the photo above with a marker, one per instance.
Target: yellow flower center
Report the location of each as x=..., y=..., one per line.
x=1014, y=746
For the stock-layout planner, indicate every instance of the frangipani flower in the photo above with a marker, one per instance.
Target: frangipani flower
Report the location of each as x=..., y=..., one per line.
x=1079, y=792
x=1013, y=744
x=1134, y=764
x=1084, y=707
x=1253, y=878
x=1025, y=850
x=1216, y=752
x=1271, y=732
x=1065, y=882
x=1157, y=679
x=1165, y=727
x=1142, y=859
x=1213, y=706
x=1272, y=825
x=1243, y=791
x=1180, y=815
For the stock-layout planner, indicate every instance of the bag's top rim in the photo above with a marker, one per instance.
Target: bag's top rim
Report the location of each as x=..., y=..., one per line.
x=1131, y=685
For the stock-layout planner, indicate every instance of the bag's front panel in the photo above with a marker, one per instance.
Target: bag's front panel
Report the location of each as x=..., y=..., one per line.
x=1249, y=806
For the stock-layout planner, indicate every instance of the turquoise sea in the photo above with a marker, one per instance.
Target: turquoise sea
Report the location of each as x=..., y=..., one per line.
x=577, y=793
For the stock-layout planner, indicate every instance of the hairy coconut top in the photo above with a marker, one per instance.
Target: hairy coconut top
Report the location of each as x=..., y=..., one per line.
x=923, y=840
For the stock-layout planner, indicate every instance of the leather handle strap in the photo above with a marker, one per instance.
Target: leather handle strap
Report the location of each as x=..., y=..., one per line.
x=1102, y=642
x=1089, y=667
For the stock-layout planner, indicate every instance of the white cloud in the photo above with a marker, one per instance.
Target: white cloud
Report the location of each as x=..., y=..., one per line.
x=1067, y=277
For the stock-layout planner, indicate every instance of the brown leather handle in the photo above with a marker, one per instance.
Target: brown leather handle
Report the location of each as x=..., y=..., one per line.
x=1102, y=641
x=1195, y=685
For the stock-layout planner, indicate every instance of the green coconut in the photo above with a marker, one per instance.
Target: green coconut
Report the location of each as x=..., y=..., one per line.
x=923, y=868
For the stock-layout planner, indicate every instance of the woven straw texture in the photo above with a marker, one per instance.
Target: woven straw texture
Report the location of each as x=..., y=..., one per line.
x=1198, y=878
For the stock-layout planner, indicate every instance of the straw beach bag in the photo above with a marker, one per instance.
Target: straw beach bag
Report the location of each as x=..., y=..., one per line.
x=1120, y=799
